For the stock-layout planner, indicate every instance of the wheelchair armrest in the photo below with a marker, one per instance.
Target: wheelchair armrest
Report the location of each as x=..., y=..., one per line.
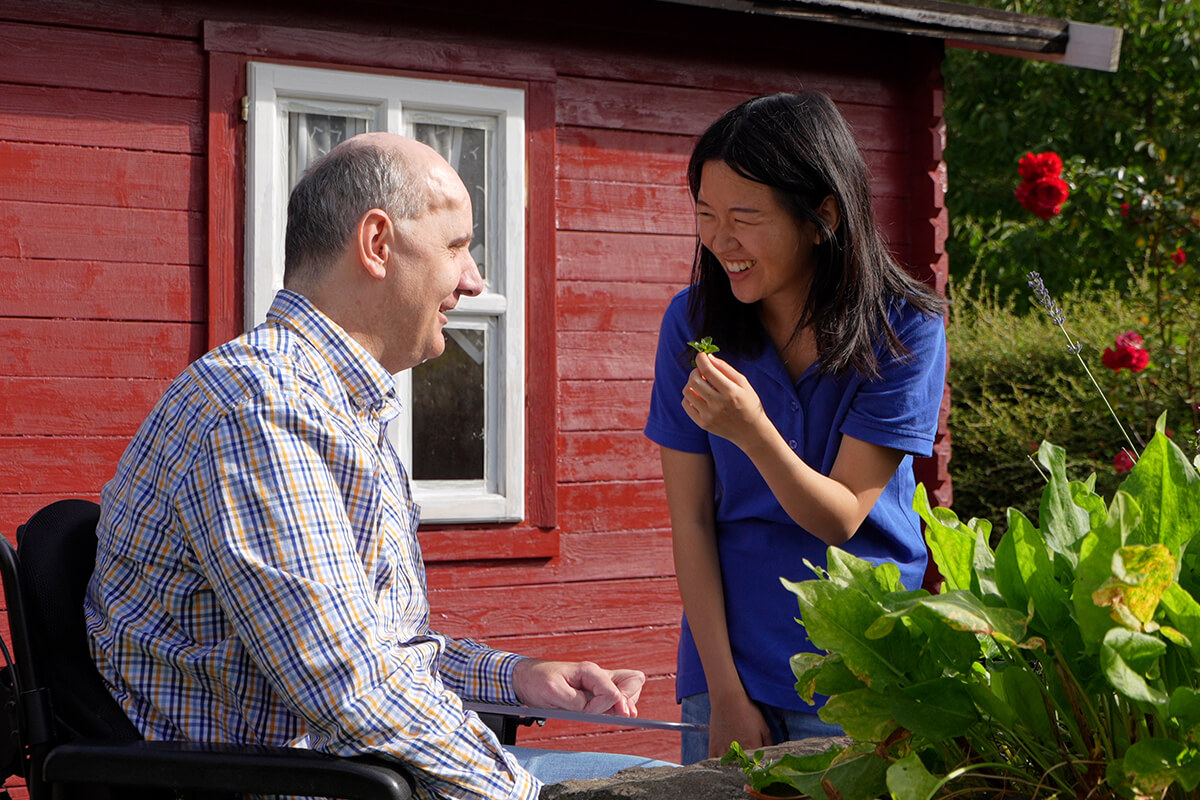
x=225, y=768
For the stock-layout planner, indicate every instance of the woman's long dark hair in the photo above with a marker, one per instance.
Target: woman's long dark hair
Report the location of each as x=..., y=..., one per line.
x=802, y=147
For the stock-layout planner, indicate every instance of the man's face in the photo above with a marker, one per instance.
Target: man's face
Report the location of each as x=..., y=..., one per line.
x=432, y=268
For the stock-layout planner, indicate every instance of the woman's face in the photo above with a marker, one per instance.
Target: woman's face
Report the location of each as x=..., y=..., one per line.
x=766, y=252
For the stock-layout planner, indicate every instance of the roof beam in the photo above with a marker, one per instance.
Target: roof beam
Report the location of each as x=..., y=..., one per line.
x=1023, y=35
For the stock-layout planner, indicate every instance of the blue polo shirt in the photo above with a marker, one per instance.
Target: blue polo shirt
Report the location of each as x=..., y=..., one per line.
x=757, y=541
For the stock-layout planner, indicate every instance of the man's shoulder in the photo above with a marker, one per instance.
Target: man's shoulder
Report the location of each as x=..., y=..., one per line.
x=263, y=362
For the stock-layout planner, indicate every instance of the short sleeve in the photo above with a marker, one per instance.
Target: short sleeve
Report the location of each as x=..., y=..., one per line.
x=668, y=424
x=899, y=409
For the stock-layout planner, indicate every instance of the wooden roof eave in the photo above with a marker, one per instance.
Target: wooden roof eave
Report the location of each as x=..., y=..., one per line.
x=1022, y=35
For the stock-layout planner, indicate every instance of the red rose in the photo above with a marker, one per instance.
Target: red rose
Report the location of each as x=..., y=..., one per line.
x=1130, y=339
x=1179, y=257
x=1123, y=462
x=1129, y=353
x=1138, y=359
x=1113, y=359
x=1124, y=209
x=1043, y=196
x=1040, y=165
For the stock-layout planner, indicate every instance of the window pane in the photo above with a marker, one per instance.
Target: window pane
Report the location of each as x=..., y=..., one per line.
x=311, y=136
x=449, y=410
x=466, y=148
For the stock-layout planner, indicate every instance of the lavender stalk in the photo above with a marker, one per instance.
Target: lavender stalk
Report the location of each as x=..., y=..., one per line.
x=1059, y=318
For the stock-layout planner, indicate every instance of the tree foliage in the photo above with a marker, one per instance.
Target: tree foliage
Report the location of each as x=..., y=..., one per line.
x=1127, y=137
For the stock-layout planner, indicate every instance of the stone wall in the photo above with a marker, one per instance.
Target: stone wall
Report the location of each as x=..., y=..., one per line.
x=707, y=780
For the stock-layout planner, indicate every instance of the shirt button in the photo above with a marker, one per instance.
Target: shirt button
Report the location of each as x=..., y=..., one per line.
x=795, y=406
x=792, y=444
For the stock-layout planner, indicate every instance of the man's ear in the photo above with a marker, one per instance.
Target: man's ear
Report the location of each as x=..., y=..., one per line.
x=374, y=241
x=830, y=212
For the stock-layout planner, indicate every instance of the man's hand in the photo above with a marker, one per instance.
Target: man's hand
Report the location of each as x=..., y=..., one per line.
x=578, y=686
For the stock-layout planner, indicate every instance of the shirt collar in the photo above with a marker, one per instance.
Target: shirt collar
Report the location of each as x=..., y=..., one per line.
x=367, y=383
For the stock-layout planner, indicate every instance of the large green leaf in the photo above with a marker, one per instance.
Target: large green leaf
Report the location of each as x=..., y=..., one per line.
x=837, y=618
x=1024, y=573
x=936, y=710
x=865, y=715
x=1141, y=574
x=1127, y=658
x=1095, y=568
x=1064, y=523
x=1168, y=490
x=1152, y=765
x=851, y=572
x=965, y=612
x=907, y=779
x=951, y=543
x=858, y=776
x=1185, y=707
x=1183, y=612
x=1024, y=692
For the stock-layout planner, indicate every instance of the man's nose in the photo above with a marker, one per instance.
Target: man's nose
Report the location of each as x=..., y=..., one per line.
x=470, y=282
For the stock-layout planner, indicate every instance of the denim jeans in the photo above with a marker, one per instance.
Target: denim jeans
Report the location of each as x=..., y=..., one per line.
x=785, y=724
x=553, y=766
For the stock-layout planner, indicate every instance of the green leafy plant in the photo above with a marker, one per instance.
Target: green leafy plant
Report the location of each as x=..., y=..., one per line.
x=856, y=772
x=1065, y=661
x=705, y=345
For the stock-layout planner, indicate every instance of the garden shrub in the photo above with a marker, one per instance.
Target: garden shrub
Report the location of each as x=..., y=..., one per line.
x=1014, y=384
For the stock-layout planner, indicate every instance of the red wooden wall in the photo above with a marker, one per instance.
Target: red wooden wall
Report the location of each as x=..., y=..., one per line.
x=120, y=232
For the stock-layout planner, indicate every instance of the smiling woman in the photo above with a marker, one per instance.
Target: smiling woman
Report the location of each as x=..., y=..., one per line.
x=802, y=433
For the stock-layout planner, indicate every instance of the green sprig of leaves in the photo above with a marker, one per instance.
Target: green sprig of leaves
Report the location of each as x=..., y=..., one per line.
x=705, y=345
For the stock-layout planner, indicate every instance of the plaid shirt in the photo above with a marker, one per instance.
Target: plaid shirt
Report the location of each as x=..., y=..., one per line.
x=258, y=577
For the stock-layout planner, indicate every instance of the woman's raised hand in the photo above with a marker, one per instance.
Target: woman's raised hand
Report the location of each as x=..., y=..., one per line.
x=720, y=400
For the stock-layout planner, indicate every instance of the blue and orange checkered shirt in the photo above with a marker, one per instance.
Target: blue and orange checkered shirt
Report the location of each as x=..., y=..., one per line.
x=258, y=577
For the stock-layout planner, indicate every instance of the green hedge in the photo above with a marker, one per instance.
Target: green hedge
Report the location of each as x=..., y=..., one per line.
x=1013, y=384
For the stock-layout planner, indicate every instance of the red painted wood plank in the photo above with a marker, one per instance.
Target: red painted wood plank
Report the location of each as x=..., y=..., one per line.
x=473, y=544
x=609, y=356
x=588, y=456
x=167, y=18
x=656, y=108
x=767, y=70
x=652, y=108
x=624, y=207
x=614, y=155
x=596, y=306
x=226, y=286
x=65, y=467
x=555, y=608
x=39, y=406
x=652, y=650
x=101, y=290
x=76, y=348
x=454, y=55
x=663, y=745
x=56, y=56
x=581, y=557
x=616, y=506
x=101, y=119
x=600, y=256
x=91, y=177
x=541, y=469
x=603, y=405
x=37, y=230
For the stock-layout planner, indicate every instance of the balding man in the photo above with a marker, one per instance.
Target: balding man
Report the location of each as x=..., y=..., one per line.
x=258, y=577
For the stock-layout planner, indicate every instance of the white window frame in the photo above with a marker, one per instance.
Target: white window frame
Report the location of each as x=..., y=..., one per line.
x=500, y=496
